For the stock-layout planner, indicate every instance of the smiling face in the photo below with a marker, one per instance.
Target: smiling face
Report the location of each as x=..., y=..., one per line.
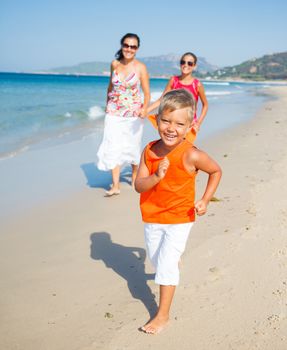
x=129, y=48
x=187, y=64
x=173, y=126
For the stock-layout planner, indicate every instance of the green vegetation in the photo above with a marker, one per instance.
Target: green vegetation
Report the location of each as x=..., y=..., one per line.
x=267, y=67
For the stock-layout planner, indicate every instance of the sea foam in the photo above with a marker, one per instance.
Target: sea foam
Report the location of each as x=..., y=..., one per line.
x=218, y=93
x=95, y=112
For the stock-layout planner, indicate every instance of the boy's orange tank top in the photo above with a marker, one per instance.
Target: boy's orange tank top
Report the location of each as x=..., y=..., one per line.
x=171, y=201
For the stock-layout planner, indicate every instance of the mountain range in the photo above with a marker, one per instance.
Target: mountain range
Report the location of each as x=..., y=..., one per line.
x=158, y=66
x=273, y=66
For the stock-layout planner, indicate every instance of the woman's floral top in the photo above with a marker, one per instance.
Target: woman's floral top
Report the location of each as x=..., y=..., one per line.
x=124, y=100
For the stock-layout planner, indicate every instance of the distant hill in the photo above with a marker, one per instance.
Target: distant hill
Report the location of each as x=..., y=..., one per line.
x=158, y=66
x=167, y=65
x=267, y=67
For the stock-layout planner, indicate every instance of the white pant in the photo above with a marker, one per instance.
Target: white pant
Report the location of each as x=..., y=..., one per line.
x=165, y=244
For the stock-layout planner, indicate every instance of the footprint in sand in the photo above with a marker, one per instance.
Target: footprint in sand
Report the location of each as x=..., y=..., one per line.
x=214, y=274
x=272, y=323
x=207, y=254
x=281, y=254
x=217, y=306
x=283, y=218
x=251, y=210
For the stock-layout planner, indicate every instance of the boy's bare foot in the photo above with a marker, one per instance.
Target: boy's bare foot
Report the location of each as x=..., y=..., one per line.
x=156, y=325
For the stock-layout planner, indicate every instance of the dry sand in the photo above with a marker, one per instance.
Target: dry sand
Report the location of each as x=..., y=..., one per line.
x=74, y=274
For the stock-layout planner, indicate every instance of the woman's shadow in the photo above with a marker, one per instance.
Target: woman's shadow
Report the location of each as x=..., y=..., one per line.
x=102, y=179
x=128, y=262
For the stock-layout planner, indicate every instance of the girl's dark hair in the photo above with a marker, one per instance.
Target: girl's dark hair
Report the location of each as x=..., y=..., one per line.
x=119, y=55
x=190, y=54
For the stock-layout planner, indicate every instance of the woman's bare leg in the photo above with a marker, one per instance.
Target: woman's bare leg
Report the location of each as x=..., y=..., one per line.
x=115, y=188
x=134, y=173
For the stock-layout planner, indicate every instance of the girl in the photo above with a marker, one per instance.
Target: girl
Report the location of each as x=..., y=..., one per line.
x=185, y=81
x=124, y=112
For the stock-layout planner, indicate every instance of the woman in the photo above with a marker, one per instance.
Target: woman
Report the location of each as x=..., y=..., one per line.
x=124, y=112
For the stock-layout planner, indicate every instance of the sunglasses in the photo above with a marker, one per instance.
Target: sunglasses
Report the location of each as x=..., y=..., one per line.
x=132, y=47
x=190, y=63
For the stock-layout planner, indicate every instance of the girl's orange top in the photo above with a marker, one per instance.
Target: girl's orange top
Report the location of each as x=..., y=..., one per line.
x=171, y=201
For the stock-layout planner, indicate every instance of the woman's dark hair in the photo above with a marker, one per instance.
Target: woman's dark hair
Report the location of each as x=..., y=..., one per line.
x=190, y=54
x=119, y=55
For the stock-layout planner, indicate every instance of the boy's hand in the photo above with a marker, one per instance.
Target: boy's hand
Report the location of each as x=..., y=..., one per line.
x=142, y=113
x=162, y=168
x=200, y=207
x=195, y=126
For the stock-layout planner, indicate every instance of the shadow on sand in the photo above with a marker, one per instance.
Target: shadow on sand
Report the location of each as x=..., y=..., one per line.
x=103, y=179
x=128, y=262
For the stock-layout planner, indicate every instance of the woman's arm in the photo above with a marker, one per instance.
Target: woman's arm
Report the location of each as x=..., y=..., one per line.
x=110, y=86
x=144, y=79
x=156, y=103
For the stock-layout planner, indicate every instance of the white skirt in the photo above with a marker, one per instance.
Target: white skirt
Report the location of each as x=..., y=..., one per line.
x=121, y=142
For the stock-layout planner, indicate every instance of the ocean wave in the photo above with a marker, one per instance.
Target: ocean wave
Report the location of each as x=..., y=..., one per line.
x=225, y=83
x=12, y=154
x=95, y=112
x=218, y=93
x=155, y=95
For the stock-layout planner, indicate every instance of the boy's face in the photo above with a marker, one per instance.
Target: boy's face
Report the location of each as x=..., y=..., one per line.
x=173, y=126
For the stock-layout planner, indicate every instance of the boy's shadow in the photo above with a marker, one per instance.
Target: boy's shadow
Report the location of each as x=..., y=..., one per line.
x=128, y=262
x=102, y=179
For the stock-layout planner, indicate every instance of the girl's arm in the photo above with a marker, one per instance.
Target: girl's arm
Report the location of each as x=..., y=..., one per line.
x=201, y=161
x=204, y=102
x=144, y=79
x=144, y=180
x=156, y=103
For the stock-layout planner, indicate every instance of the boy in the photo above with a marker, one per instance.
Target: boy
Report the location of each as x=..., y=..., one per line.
x=166, y=181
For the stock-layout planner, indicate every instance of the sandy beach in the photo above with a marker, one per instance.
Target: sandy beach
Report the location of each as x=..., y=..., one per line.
x=74, y=273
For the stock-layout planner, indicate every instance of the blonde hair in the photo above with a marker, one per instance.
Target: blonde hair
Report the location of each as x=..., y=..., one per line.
x=177, y=99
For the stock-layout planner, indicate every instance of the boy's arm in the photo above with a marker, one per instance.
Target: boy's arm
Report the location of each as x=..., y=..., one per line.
x=156, y=103
x=201, y=161
x=144, y=180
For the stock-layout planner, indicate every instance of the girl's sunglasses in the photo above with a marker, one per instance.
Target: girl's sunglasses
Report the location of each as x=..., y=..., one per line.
x=132, y=47
x=190, y=63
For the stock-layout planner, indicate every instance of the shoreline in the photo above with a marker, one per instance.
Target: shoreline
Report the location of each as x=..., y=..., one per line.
x=73, y=275
x=165, y=77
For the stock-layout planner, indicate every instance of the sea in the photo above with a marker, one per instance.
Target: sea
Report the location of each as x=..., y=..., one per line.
x=51, y=127
x=41, y=110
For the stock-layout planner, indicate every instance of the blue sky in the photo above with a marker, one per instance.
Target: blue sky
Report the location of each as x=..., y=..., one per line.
x=38, y=34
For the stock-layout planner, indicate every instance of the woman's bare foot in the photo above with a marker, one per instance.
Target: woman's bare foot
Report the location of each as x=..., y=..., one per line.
x=156, y=325
x=113, y=191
